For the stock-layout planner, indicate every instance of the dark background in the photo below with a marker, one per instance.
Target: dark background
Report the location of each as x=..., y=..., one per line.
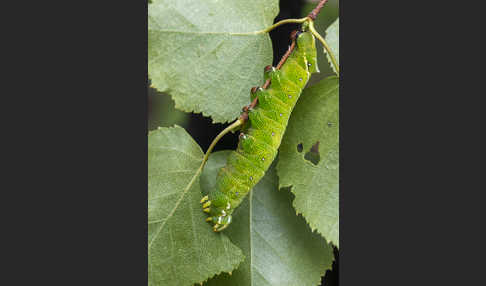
x=74, y=110
x=161, y=110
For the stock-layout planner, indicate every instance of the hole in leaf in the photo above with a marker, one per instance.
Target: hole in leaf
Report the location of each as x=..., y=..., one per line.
x=313, y=154
x=300, y=147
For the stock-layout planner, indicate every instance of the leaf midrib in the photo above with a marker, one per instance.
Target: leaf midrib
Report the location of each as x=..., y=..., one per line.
x=176, y=205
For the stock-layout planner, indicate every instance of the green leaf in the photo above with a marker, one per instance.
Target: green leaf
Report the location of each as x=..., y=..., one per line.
x=316, y=187
x=206, y=55
x=182, y=249
x=279, y=246
x=332, y=39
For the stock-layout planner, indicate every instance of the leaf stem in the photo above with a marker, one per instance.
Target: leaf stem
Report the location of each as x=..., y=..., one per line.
x=268, y=29
x=234, y=125
x=283, y=22
x=326, y=47
x=206, y=156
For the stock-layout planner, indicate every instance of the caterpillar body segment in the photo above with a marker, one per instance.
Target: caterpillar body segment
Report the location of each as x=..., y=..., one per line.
x=261, y=136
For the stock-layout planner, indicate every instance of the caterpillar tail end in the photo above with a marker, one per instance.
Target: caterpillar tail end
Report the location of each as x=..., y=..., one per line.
x=224, y=223
x=219, y=216
x=220, y=222
x=218, y=228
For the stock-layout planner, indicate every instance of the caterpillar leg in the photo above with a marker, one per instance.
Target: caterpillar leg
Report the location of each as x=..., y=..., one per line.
x=242, y=136
x=206, y=203
x=219, y=222
x=219, y=218
x=205, y=198
x=267, y=72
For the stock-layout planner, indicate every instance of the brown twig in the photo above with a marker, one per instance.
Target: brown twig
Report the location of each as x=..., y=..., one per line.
x=287, y=54
x=313, y=13
x=282, y=61
x=244, y=115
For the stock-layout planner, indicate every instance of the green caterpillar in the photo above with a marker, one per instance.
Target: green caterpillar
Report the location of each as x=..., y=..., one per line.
x=261, y=136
